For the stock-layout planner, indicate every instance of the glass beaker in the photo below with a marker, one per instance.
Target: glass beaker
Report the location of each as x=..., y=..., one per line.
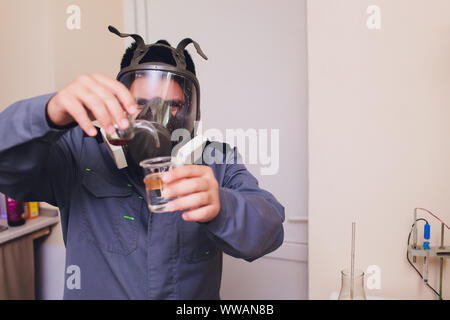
x=153, y=170
x=123, y=137
x=357, y=284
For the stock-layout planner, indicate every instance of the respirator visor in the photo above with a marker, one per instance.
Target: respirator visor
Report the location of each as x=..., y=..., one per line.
x=164, y=97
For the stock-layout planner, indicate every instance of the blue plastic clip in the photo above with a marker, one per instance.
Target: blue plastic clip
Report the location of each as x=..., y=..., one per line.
x=426, y=236
x=426, y=232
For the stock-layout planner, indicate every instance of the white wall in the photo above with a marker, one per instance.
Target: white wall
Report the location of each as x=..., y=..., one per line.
x=26, y=67
x=255, y=78
x=378, y=138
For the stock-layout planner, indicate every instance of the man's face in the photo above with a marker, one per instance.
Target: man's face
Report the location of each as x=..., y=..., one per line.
x=146, y=88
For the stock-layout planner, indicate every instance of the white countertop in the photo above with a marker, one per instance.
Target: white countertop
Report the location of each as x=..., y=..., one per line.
x=47, y=217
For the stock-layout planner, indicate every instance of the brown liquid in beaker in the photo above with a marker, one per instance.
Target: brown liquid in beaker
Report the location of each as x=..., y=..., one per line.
x=118, y=142
x=153, y=181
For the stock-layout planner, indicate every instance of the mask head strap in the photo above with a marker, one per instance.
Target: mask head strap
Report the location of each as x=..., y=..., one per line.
x=142, y=48
x=179, y=52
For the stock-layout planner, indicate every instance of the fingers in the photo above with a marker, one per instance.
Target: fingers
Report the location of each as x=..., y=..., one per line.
x=79, y=114
x=109, y=99
x=96, y=106
x=187, y=171
x=203, y=214
x=105, y=99
x=183, y=187
x=197, y=190
x=98, y=94
x=191, y=201
x=102, y=98
x=120, y=91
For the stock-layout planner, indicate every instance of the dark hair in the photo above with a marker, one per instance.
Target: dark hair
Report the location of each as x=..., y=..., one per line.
x=157, y=54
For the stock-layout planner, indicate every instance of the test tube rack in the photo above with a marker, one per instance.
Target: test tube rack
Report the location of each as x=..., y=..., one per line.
x=419, y=251
x=442, y=252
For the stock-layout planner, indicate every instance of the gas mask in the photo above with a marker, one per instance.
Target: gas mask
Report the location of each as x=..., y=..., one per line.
x=167, y=97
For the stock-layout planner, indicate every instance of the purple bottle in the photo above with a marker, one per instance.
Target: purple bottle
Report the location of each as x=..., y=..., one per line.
x=14, y=212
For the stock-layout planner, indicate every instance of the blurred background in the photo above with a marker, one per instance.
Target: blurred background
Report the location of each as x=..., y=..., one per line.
x=359, y=91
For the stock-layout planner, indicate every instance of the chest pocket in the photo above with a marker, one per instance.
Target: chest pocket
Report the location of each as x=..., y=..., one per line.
x=110, y=214
x=196, y=245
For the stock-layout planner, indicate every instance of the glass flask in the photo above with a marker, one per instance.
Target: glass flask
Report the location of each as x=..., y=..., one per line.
x=123, y=137
x=346, y=292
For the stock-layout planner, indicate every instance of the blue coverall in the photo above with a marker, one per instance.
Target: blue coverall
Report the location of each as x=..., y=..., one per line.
x=122, y=250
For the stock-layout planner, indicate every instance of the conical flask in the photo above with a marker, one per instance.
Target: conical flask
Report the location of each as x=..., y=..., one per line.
x=352, y=289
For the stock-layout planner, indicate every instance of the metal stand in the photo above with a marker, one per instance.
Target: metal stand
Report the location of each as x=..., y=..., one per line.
x=443, y=252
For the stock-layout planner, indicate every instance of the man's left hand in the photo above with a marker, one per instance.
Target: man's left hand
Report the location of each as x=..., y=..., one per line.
x=196, y=189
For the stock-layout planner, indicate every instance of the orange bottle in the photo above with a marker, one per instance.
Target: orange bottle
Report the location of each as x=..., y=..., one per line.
x=32, y=210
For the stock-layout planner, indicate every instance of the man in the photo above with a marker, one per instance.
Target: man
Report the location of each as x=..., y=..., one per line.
x=52, y=152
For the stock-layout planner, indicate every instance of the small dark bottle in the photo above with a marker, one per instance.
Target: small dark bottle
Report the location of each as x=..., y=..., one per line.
x=14, y=212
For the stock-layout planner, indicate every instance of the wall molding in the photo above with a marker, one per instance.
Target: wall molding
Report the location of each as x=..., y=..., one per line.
x=297, y=252
x=136, y=13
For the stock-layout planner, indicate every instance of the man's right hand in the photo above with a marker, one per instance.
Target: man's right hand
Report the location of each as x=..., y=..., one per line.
x=89, y=98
